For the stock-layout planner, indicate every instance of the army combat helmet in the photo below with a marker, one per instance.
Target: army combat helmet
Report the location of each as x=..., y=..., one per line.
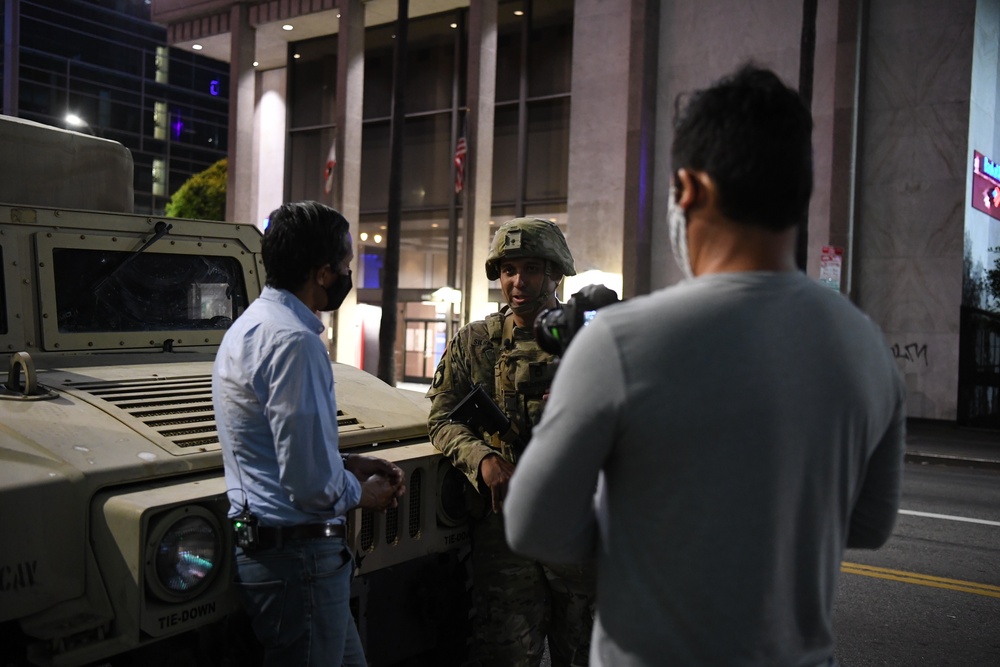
x=529, y=237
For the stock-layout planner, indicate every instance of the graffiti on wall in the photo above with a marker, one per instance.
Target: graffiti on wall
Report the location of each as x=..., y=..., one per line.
x=911, y=352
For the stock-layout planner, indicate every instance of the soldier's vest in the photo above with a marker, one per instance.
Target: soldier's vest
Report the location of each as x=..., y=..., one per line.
x=522, y=374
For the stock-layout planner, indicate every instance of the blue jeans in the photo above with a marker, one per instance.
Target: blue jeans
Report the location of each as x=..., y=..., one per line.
x=298, y=599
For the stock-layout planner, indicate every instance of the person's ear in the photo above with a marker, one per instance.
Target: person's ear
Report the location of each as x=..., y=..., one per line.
x=686, y=188
x=694, y=188
x=323, y=274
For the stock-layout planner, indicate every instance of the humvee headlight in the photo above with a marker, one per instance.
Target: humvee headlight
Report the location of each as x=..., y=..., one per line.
x=184, y=553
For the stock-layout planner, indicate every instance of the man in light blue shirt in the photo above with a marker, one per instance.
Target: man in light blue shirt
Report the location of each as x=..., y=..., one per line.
x=272, y=387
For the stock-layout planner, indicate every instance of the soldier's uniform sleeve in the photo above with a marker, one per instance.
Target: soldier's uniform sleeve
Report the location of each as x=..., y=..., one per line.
x=455, y=376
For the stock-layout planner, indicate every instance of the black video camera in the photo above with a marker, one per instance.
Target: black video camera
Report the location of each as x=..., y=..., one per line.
x=555, y=327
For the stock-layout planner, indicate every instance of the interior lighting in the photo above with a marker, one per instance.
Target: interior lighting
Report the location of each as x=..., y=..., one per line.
x=288, y=26
x=377, y=238
x=364, y=236
x=255, y=63
x=297, y=56
x=197, y=47
x=518, y=12
x=454, y=25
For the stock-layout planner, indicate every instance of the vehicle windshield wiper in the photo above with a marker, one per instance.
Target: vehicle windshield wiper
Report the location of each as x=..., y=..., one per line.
x=160, y=230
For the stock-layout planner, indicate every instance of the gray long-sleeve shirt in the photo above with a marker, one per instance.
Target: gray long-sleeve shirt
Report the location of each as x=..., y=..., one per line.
x=746, y=427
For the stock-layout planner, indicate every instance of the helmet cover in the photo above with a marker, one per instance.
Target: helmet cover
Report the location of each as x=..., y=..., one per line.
x=529, y=237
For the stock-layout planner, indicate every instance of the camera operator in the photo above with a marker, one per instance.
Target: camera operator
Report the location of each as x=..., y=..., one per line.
x=519, y=602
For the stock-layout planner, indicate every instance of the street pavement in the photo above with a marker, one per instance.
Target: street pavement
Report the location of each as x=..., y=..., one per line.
x=946, y=443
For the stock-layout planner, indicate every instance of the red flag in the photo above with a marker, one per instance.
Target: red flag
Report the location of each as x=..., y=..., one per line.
x=460, y=153
x=331, y=162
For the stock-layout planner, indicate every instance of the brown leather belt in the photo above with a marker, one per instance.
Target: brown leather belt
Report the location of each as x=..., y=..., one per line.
x=275, y=537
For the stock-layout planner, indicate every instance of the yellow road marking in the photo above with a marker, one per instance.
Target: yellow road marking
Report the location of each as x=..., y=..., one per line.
x=921, y=579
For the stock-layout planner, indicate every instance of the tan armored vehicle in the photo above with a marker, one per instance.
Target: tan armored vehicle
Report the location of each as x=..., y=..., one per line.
x=112, y=500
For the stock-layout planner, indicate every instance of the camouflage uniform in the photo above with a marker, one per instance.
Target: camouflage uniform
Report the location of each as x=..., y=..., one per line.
x=518, y=602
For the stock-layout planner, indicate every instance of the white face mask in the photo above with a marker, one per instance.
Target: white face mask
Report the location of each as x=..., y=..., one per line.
x=677, y=222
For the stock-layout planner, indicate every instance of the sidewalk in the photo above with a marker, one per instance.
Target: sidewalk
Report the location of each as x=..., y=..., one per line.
x=945, y=443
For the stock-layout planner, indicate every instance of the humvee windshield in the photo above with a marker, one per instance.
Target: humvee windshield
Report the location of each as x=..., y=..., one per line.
x=101, y=290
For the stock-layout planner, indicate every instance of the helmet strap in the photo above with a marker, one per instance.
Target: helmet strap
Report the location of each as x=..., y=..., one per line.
x=543, y=296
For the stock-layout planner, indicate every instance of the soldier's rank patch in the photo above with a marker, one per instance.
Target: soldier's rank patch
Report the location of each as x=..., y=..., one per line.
x=512, y=240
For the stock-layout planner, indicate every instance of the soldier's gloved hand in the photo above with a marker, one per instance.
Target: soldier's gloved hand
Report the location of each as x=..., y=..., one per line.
x=496, y=473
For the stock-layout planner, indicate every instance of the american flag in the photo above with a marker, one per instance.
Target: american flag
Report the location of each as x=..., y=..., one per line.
x=460, y=153
x=328, y=168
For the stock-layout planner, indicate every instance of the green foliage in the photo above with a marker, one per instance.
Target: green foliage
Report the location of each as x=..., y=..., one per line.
x=202, y=197
x=993, y=278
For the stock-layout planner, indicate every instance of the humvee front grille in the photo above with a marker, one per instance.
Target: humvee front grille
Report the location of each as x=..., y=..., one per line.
x=392, y=525
x=367, y=536
x=415, y=483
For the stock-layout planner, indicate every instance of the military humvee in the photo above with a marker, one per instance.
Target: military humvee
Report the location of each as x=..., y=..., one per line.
x=115, y=543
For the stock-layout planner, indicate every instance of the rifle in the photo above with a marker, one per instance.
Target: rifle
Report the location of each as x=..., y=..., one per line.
x=478, y=411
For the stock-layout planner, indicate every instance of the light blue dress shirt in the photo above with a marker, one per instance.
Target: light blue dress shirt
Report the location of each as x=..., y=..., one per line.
x=272, y=387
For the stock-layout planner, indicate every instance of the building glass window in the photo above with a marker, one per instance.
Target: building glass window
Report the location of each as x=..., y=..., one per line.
x=378, y=72
x=375, y=166
x=548, y=150
x=312, y=82
x=423, y=250
x=505, y=132
x=430, y=63
x=550, y=44
x=162, y=65
x=308, y=178
x=510, y=23
x=159, y=176
x=427, y=156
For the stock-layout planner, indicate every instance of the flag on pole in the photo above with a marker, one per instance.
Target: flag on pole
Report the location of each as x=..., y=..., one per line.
x=331, y=162
x=460, y=153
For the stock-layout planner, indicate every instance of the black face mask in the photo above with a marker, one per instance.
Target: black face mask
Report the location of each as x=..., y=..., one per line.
x=338, y=291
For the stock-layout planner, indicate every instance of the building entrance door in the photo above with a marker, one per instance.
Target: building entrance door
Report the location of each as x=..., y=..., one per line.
x=425, y=343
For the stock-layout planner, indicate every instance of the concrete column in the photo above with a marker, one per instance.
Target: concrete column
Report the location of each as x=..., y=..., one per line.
x=611, y=138
x=347, y=192
x=242, y=85
x=481, y=98
x=269, y=146
x=835, y=120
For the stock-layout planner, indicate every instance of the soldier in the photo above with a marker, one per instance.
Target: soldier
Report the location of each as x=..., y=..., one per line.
x=518, y=602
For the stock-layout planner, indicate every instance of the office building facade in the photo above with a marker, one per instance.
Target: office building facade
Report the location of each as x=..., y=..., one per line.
x=565, y=107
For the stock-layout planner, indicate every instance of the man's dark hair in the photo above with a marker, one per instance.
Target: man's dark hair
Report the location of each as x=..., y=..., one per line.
x=753, y=135
x=300, y=237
